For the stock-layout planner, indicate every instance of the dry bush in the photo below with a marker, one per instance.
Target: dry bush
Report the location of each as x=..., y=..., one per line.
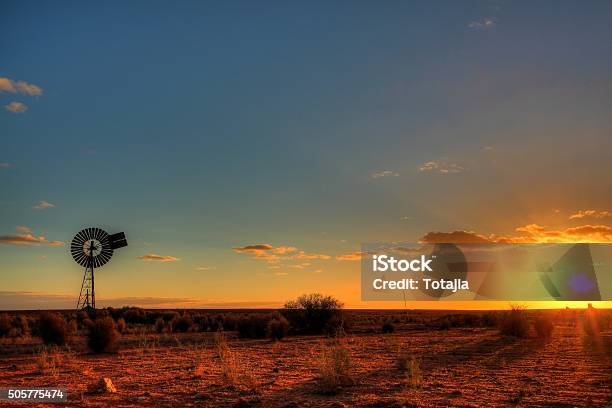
x=229, y=368
x=514, y=322
x=409, y=364
x=335, y=369
x=543, y=327
x=5, y=325
x=314, y=314
x=49, y=361
x=103, y=335
x=53, y=328
x=232, y=374
x=278, y=328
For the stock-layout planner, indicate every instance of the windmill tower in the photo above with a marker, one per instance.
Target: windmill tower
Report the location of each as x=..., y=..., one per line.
x=93, y=248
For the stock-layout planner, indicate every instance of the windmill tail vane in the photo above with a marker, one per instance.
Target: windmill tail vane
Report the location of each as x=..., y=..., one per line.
x=93, y=248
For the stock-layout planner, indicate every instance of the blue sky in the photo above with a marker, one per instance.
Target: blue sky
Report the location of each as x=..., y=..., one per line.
x=199, y=127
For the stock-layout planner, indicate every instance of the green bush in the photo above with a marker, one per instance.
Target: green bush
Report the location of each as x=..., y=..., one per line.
x=53, y=328
x=103, y=335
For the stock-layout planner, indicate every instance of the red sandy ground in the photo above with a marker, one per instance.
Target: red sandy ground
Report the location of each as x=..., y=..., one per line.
x=459, y=367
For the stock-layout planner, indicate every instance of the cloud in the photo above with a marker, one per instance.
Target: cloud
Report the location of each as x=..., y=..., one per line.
x=16, y=107
x=5, y=165
x=456, y=237
x=276, y=254
x=43, y=205
x=384, y=173
x=21, y=228
x=590, y=213
x=205, y=268
x=27, y=240
x=352, y=256
x=441, y=168
x=528, y=234
x=281, y=273
x=22, y=87
x=485, y=23
x=158, y=258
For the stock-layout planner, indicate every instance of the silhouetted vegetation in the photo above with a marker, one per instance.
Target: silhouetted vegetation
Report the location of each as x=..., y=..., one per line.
x=53, y=328
x=253, y=327
x=5, y=325
x=181, y=324
x=278, y=327
x=103, y=335
x=314, y=314
x=514, y=322
x=388, y=327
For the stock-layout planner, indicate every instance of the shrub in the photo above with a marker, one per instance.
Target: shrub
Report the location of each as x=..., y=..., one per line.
x=314, y=314
x=181, y=324
x=159, y=325
x=278, y=327
x=5, y=325
x=87, y=324
x=20, y=322
x=252, y=327
x=103, y=335
x=388, y=327
x=543, y=327
x=53, y=328
x=135, y=315
x=335, y=370
x=488, y=319
x=121, y=325
x=514, y=322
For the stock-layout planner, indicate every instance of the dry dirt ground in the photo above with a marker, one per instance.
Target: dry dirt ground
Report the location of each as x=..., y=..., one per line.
x=456, y=367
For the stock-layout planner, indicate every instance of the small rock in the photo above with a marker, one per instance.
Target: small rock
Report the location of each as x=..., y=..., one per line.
x=105, y=385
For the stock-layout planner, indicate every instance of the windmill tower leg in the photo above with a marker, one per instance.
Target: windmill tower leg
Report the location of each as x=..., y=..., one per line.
x=87, y=299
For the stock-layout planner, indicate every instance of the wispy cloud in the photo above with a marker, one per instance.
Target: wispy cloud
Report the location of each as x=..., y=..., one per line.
x=384, y=173
x=485, y=23
x=158, y=258
x=205, y=268
x=43, y=205
x=22, y=228
x=27, y=240
x=441, y=168
x=591, y=214
x=5, y=165
x=528, y=234
x=272, y=253
x=16, y=107
x=352, y=256
x=19, y=87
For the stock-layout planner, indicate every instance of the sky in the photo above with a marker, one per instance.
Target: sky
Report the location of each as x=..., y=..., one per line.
x=248, y=149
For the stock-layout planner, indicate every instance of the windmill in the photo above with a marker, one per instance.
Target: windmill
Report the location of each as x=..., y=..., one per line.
x=92, y=248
